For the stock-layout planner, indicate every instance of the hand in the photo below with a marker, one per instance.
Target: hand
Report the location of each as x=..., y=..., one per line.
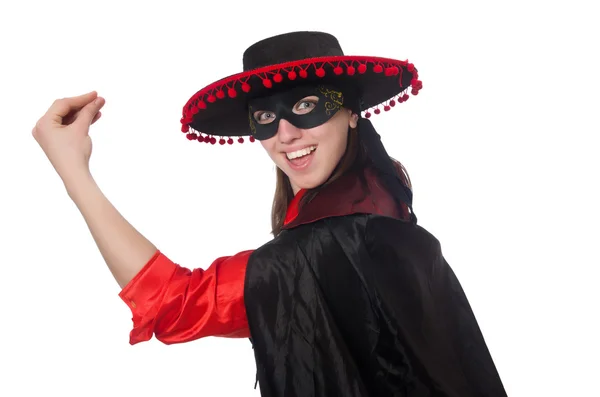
x=63, y=133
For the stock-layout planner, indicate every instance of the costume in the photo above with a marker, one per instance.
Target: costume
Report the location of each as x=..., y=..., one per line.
x=351, y=298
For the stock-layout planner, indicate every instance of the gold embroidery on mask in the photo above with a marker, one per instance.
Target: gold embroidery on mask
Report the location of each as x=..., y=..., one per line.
x=251, y=120
x=336, y=99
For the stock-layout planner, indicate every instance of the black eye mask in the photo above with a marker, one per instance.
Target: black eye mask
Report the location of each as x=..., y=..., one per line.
x=281, y=106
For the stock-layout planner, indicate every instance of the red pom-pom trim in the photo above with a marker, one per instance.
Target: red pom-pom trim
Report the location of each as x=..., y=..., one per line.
x=362, y=68
x=303, y=74
x=351, y=70
x=367, y=115
x=251, y=139
x=201, y=105
x=292, y=75
x=221, y=141
x=416, y=86
x=377, y=111
x=386, y=108
x=378, y=69
x=241, y=140
x=185, y=128
x=320, y=72
x=245, y=87
x=267, y=83
x=278, y=78
x=232, y=93
x=211, y=98
x=392, y=71
x=220, y=94
x=338, y=70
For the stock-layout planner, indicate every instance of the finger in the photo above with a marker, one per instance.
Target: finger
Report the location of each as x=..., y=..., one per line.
x=69, y=118
x=62, y=107
x=96, y=117
x=89, y=112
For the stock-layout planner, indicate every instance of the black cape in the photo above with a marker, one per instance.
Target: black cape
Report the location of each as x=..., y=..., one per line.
x=352, y=300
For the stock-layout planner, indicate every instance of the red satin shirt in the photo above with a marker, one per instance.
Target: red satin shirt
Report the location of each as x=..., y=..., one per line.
x=176, y=304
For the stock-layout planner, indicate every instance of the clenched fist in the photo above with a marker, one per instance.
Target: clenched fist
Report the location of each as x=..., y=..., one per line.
x=63, y=133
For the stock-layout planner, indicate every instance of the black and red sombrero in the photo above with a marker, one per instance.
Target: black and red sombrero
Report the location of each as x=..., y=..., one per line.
x=218, y=112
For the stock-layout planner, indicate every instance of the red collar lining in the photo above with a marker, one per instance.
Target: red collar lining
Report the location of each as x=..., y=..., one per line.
x=294, y=207
x=344, y=197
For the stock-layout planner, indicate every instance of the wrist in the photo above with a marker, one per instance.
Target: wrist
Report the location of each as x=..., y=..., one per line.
x=77, y=183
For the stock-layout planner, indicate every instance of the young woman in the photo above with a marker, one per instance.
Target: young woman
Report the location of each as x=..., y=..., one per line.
x=351, y=297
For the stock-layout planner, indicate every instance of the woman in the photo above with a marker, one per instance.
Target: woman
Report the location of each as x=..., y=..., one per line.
x=351, y=297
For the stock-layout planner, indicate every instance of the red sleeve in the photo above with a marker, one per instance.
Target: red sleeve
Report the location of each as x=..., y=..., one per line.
x=178, y=305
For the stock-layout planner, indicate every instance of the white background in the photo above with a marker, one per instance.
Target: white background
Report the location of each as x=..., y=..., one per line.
x=500, y=145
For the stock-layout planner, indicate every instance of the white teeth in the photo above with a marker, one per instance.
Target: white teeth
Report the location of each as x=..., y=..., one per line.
x=300, y=153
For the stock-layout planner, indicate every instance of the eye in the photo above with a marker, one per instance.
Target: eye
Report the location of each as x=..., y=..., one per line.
x=264, y=117
x=306, y=105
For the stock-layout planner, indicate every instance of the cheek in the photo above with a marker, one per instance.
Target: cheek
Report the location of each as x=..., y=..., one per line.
x=336, y=138
x=340, y=145
x=332, y=141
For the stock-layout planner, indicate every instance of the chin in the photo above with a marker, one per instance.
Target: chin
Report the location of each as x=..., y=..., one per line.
x=310, y=181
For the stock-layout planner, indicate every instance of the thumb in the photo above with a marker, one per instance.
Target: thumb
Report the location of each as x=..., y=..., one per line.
x=86, y=115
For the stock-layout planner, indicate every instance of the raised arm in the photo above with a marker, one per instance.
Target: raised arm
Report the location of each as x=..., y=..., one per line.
x=63, y=134
x=172, y=302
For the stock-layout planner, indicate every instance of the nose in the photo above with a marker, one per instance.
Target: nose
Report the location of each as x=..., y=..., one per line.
x=287, y=132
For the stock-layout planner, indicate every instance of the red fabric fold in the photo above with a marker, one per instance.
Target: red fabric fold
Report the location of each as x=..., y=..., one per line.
x=177, y=305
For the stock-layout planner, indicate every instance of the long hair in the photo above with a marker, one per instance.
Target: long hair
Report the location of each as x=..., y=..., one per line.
x=354, y=158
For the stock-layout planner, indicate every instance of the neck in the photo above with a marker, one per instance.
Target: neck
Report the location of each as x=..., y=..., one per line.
x=295, y=188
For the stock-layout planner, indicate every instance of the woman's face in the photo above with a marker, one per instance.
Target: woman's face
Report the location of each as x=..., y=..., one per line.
x=307, y=156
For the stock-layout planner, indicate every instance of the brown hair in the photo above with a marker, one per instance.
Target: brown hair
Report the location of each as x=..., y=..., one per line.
x=354, y=158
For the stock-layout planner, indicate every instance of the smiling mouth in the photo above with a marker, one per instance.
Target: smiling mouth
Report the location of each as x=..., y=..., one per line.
x=301, y=153
x=301, y=158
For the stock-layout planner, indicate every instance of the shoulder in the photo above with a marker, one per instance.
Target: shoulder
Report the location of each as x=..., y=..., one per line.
x=381, y=231
x=322, y=232
x=371, y=229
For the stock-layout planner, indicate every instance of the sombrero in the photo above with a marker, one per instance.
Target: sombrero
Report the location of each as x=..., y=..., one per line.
x=218, y=112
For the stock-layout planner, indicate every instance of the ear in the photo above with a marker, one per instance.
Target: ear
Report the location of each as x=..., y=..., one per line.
x=353, y=121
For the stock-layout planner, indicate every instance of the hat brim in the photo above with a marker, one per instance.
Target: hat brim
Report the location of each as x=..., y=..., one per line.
x=220, y=109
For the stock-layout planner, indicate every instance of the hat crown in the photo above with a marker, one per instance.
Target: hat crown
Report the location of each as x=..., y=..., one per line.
x=290, y=47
